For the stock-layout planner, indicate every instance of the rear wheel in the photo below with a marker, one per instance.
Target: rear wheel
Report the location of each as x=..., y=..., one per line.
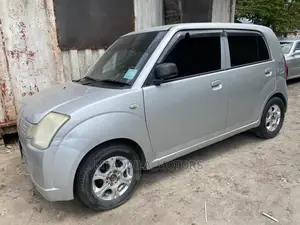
x=272, y=119
x=108, y=176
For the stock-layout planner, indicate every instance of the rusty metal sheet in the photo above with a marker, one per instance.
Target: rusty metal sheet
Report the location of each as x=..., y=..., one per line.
x=196, y=10
x=172, y=11
x=187, y=11
x=7, y=106
x=30, y=59
x=92, y=24
x=181, y=11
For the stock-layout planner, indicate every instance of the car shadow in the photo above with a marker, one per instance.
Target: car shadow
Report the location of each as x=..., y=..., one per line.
x=196, y=159
x=293, y=81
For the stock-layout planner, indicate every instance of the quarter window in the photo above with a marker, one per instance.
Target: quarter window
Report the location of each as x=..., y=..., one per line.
x=247, y=49
x=196, y=55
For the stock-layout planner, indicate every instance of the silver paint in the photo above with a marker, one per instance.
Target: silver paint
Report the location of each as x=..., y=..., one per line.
x=293, y=61
x=172, y=119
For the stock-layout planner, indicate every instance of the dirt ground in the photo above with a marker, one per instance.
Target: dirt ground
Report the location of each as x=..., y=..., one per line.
x=239, y=178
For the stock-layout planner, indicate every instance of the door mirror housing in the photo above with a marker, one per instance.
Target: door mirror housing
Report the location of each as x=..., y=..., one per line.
x=164, y=71
x=297, y=52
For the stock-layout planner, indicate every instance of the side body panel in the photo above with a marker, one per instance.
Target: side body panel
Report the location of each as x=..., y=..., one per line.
x=266, y=88
x=186, y=112
x=53, y=170
x=251, y=86
x=87, y=135
x=183, y=113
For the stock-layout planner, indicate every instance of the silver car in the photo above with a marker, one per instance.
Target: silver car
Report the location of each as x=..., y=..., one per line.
x=154, y=96
x=291, y=50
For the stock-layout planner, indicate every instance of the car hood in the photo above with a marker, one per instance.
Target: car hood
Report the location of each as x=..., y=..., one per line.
x=54, y=99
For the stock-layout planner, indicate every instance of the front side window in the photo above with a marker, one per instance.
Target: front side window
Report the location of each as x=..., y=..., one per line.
x=122, y=62
x=196, y=55
x=247, y=49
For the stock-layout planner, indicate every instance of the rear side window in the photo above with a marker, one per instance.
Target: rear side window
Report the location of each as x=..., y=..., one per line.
x=247, y=49
x=196, y=55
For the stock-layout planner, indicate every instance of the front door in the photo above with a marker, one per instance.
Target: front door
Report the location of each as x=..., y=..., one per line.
x=192, y=107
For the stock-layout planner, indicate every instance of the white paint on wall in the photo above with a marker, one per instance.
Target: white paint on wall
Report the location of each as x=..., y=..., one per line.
x=148, y=13
x=223, y=10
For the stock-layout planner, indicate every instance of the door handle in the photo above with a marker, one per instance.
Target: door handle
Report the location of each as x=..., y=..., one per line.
x=216, y=85
x=268, y=72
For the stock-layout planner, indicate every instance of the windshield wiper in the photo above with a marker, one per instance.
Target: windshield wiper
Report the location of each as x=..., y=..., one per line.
x=106, y=81
x=114, y=82
x=86, y=81
x=91, y=79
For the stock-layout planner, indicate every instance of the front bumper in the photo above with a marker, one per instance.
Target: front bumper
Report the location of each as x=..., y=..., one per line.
x=49, y=177
x=35, y=170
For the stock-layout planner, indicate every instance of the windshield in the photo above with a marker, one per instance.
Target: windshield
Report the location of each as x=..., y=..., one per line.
x=121, y=64
x=286, y=47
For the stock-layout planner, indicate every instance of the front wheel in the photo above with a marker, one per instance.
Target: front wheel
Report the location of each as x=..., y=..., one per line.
x=108, y=176
x=272, y=119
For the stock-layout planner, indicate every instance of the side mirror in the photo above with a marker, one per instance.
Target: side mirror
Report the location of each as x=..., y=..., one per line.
x=297, y=52
x=164, y=71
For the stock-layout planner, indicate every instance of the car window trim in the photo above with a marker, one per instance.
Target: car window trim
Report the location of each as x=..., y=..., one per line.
x=192, y=76
x=228, y=31
x=250, y=64
x=175, y=39
x=181, y=34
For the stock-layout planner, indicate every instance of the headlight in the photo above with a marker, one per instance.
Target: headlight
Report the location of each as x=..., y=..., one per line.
x=30, y=130
x=46, y=129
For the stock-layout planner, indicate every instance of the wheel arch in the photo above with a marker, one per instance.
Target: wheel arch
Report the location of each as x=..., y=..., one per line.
x=278, y=95
x=261, y=131
x=281, y=96
x=126, y=141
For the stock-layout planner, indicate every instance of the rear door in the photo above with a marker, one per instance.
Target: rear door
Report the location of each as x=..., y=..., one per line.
x=252, y=77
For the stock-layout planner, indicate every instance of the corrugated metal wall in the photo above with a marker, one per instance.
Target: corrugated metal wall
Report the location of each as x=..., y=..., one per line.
x=30, y=59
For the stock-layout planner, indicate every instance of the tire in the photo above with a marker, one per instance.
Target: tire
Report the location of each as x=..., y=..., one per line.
x=86, y=189
x=262, y=131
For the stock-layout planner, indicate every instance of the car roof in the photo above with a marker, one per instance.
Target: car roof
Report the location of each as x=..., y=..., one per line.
x=288, y=40
x=183, y=26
